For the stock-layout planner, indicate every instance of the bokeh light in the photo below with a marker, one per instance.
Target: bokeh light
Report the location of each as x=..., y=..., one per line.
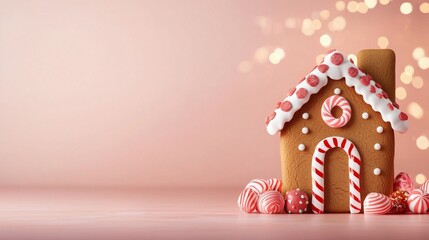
x=406, y=77
x=324, y=14
x=340, y=6
x=418, y=53
x=362, y=7
x=325, y=40
x=420, y=178
x=409, y=69
x=352, y=6
x=406, y=8
x=371, y=3
x=422, y=142
x=276, y=56
x=401, y=93
x=423, y=63
x=424, y=7
x=417, y=82
x=337, y=24
x=307, y=27
x=317, y=24
x=384, y=2
x=261, y=55
x=290, y=23
x=415, y=110
x=383, y=42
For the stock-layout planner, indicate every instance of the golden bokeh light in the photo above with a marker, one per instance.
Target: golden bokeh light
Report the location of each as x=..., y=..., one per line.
x=317, y=24
x=417, y=82
x=371, y=3
x=418, y=53
x=352, y=6
x=362, y=7
x=420, y=178
x=319, y=58
x=383, y=42
x=424, y=7
x=384, y=2
x=352, y=57
x=423, y=63
x=325, y=40
x=401, y=93
x=406, y=8
x=290, y=23
x=307, y=27
x=422, y=142
x=415, y=110
x=276, y=56
x=340, y=6
x=337, y=24
x=261, y=55
x=324, y=14
x=245, y=66
x=406, y=77
x=409, y=69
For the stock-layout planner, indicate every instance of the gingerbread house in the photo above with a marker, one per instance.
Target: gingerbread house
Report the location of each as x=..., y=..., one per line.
x=337, y=131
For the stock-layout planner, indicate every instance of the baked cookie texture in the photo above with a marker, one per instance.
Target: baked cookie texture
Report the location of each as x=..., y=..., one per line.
x=370, y=93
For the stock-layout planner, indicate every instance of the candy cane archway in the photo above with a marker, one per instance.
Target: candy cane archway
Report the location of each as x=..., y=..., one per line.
x=317, y=173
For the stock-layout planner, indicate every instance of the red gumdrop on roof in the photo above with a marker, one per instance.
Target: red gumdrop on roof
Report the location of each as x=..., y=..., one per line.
x=403, y=116
x=379, y=95
x=364, y=80
x=353, y=72
x=390, y=106
x=312, y=80
x=337, y=58
x=396, y=105
x=323, y=68
x=301, y=93
x=291, y=91
x=372, y=89
x=378, y=85
x=286, y=106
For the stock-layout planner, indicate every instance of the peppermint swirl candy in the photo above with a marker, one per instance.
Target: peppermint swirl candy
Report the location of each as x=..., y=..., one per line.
x=377, y=203
x=332, y=102
x=404, y=182
x=418, y=201
x=248, y=201
x=271, y=202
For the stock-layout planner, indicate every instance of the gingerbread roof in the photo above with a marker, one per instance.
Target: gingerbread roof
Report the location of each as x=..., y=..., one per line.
x=336, y=66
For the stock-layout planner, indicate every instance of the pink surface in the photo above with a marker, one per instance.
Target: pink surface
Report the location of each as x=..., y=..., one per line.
x=183, y=214
x=149, y=93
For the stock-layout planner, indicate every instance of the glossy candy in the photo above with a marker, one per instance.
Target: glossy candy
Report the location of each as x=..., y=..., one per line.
x=418, y=201
x=403, y=182
x=296, y=201
x=248, y=200
x=271, y=202
x=275, y=184
x=377, y=203
x=258, y=185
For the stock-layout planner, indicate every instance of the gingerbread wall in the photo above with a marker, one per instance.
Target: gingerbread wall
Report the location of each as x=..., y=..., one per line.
x=296, y=164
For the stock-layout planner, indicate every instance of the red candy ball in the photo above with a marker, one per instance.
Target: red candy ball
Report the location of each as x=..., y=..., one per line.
x=399, y=201
x=296, y=201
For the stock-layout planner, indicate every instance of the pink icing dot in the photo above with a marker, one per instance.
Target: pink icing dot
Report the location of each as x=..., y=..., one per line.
x=390, y=106
x=372, y=89
x=403, y=116
x=353, y=72
x=323, y=68
x=365, y=80
x=292, y=91
x=337, y=58
x=286, y=106
x=379, y=95
x=301, y=93
x=312, y=80
x=385, y=95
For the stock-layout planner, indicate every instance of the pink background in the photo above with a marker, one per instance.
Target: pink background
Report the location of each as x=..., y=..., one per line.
x=169, y=93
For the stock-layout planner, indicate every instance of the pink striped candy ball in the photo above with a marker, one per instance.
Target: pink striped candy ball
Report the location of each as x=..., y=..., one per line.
x=418, y=201
x=403, y=182
x=377, y=203
x=425, y=187
x=258, y=185
x=271, y=202
x=248, y=201
x=275, y=184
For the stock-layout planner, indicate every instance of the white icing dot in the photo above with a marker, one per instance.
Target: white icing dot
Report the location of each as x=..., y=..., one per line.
x=380, y=129
x=302, y=196
x=304, y=130
x=377, y=146
x=377, y=171
x=290, y=212
x=365, y=115
x=300, y=211
x=301, y=147
x=337, y=91
x=305, y=115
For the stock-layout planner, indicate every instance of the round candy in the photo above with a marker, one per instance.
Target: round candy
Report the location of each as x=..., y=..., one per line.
x=377, y=203
x=248, y=200
x=258, y=185
x=275, y=184
x=332, y=102
x=399, y=201
x=418, y=201
x=403, y=182
x=271, y=202
x=425, y=187
x=296, y=201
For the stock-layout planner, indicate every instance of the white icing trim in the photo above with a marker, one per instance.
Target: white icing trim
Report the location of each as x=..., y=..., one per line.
x=377, y=171
x=336, y=72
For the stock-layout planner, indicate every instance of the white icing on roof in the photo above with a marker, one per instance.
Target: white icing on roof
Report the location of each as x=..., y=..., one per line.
x=371, y=92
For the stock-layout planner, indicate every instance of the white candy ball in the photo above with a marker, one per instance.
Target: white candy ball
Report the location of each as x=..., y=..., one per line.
x=380, y=129
x=301, y=147
x=377, y=171
x=337, y=91
x=304, y=130
x=305, y=115
x=365, y=115
x=377, y=146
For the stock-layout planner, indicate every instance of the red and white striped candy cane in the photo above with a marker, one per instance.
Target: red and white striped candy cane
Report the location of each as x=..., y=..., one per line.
x=332, y=102
x=317, y=173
